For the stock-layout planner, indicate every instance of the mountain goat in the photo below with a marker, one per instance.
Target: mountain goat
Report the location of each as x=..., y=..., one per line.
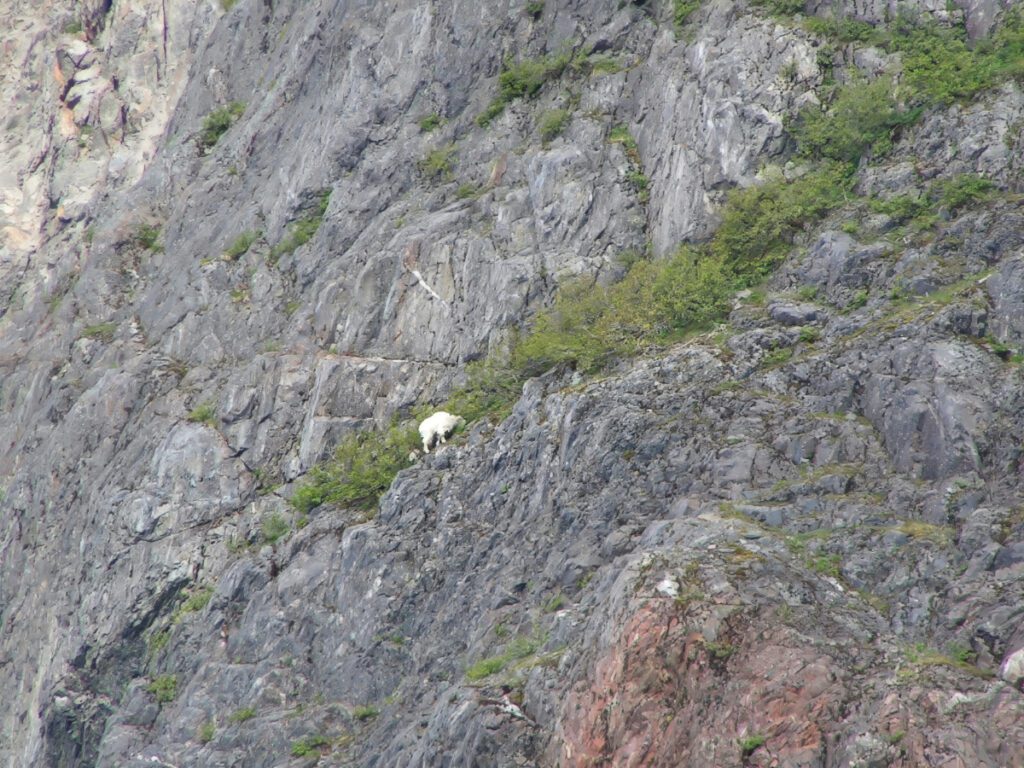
x=437, y=428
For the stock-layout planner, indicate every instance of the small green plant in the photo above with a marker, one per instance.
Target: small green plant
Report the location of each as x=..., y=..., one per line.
x=431, y=123
x=720, y=651
x=146, y=237
x=310, y=745
x=639, y=181
x=553, y=123
x=518, y=649
x=207, y=731
x=809, y=334
x=750, y=743
x=682, y=10
x=158, y=641
x=164, y=688
x=860, y=298
x=534, y=9
x=362, y=468
x=365, y=712
x=827, y=565
x=555, y=604
x=217, y=123
x=194, y=603
x=961, y=191
x=227, y=5
x=242, y=715
x=524, y=80
x=604, y=65
x=782, y=7
x=274, y=527
x=102, y=331
x=204, y=413
x=241, y=245
x=73, y=27
x=467, y=191
x=438, y=164
x=302, y=231
x=620, y=134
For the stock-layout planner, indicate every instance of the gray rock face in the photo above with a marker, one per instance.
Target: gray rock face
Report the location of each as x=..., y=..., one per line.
x=639, y=570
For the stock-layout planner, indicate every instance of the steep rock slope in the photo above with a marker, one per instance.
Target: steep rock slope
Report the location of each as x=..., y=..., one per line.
x=721, y=555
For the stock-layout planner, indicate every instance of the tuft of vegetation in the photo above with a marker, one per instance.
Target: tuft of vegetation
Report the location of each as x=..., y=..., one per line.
x=534, y=9
x=227, y=5
x=361, y=470
x=147, y=237
x=217, y=123
x=438, y=164
x=204, y=413
x=553, y=123
x=73, y=27
x=365, y=712
x=431, y=123
x=302, y=231
x=781, y=7
x=518, y=649
x=207, y=731
x=524, y=80
x=164, y=688
x=555, y=604
x=241, y=245
x=863, y=118
x=310, y=745
x=102, y=331
x=467, y=191
x=682, y=10
x=751, y=743
x=158, y=641
x=242, y=715
x=274, y=527
x=961, y=192
x=195, y=602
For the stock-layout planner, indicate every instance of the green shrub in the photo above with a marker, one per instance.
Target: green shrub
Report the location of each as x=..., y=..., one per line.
x=534, y=9
x=620, y=134
x=243, y=714
x=195, y=602
x=430, y=123
x=241, y=244
x=467, y=190
x=520, y=648
x=73, y=27
x=309, y=745
x=553, y=123
x=274, y=527
x=901, y=208
x=438, y=163
x=759, y=223
x=204, y=413
x=361, y=470
x=604, y=65
x=524, y=80
x=164, y=688
x=227, y=5
x=682, y=10
x=781, y=7
x=961, y=191
x=751, y=743
x=809, y=334
x=102, y=331
x=147, y=236
x=302, y=231
x=862, y=118
x=216, y=124
x=843, y=30
x=207, y=731
x=365, y=712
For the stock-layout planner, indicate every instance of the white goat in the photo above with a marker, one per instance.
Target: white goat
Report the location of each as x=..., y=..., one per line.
x=437, y=428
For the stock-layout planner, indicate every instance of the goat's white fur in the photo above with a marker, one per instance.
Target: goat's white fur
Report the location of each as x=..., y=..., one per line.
x=437, y=428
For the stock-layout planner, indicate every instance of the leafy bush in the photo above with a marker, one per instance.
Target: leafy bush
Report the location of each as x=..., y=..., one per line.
x=759, y=223
x=365, y=712
x=243, y=714
x=274, y=527
x=146, y=236
x=682, y=10
x=438, y=163
x=102, y=331
x=204, y=413
x=534, y=9
x=195, y=602
x=862, y=118
x=430, y=123
x=518, y=649
x=524, y=80
x=302, y=231
x=207, y=731
x=553, y=123
x=844, y=30
x=309, y=745
x=361, y=470
x=782, y=7
x=241, y=244
x=217, y=123
x=751, y=743
x=961, y=191
x=164, y=688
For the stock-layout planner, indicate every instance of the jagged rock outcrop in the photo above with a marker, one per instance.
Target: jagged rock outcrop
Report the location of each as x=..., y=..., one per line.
x=726, y=554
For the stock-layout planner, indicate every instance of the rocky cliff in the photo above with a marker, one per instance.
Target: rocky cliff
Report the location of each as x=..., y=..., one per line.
x=236, y=232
